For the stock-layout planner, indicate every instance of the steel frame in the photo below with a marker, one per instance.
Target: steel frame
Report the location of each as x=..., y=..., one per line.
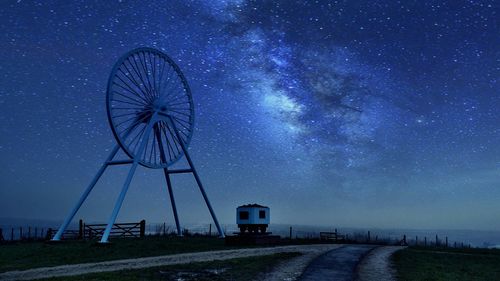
x=135, y=161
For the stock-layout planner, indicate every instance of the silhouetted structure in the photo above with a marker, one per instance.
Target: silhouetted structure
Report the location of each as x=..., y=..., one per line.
x=151, y=113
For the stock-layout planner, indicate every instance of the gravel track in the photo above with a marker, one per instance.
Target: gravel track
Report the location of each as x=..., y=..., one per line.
x=338, y=264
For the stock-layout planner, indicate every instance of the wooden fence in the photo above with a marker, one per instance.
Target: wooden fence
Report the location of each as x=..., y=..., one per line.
x=24, y=233
x=84, y=231
x=121, y=230
x=332, y=236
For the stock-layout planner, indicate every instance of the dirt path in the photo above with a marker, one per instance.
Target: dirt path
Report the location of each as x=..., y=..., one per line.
x=78, y=269
x=349, y=262
x=338, y=264
x=377, y=265
x=292, y=269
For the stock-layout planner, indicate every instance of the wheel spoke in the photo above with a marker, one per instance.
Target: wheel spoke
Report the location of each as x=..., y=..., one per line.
x=138, y=71
x=125, y=121
x=170, y=86
x=134, y=124
x=179, y=112
x=160, y=81
x=174, y=138
x=153, y=144
x=137, y=137
x=136, y=83
x=124, y=108
x=130, y=100
x=169, y=146
x=145, y=148
x=179, y=103
x=171, y=100
x=130, y=89
x=145, y=71
x=153, y=149
x=175, y=92
x=124, y=114
x=152, y=62
x=183, y=121
x=121, y=101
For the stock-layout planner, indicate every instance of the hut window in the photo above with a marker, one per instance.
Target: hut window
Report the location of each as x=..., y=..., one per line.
x=243, y=215
x=262, y=214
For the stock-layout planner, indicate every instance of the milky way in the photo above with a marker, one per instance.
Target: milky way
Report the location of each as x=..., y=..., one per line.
x=385, y=112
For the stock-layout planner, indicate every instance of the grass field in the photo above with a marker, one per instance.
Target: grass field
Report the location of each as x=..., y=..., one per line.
x=241, y=269
x=38, y=254
x=418, y=263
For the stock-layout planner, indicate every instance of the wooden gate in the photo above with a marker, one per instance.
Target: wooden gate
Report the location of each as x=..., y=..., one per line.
x=119, y=230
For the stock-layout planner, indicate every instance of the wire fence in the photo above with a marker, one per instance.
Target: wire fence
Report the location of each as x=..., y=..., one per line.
x=34, y=233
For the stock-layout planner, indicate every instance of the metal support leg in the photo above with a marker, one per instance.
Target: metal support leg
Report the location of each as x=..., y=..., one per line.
x=167, y=178
x=198, y=181
x=119, y=201
x=85, y=194
x=212, y=213
x=172, y=200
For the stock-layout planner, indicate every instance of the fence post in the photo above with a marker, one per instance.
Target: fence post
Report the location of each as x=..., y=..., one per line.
x=80, y=229
x=12, y=234
x=49, y=234
x=404, y=239
x=368, y=236
x=425, y=241
x=290, y=233
x=20, y=233
x=1, y=235
x=416, y=240
x=210, y=230
x=142, y=229
x=446, y=241
x=437, y=241
x=29, y=232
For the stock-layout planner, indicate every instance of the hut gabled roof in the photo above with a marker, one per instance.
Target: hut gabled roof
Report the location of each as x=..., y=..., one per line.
x=252, y=205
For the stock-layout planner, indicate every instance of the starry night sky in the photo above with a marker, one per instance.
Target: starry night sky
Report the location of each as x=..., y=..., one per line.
x=350, y=113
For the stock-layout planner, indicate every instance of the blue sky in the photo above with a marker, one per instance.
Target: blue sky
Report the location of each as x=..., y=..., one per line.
x=351, y=113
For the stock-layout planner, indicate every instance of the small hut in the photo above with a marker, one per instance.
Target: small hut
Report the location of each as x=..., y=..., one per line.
x=253, y=218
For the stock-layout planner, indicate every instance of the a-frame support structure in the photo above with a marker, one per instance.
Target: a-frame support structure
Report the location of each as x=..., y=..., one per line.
x=152, y=126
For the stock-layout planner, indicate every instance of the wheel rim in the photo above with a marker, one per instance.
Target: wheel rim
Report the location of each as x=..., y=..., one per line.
x=142, y=82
